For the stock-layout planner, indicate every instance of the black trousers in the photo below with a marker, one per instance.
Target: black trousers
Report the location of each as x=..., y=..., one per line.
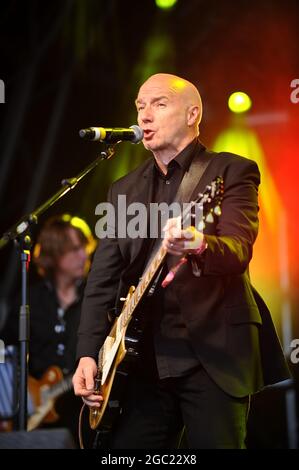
x=155, y=412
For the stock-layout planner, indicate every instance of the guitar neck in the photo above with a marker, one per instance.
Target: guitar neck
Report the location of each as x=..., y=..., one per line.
x=142, y=287
x=61, y=387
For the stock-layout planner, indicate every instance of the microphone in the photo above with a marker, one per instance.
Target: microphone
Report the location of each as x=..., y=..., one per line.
x=112, y=135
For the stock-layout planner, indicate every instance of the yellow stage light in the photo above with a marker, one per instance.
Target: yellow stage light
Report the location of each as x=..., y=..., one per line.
x=239, y=102
x=165, y=4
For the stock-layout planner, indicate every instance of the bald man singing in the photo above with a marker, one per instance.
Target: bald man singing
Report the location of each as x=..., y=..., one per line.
x=206, y=338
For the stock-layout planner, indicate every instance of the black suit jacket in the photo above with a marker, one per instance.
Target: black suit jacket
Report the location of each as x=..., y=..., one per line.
x=229, y=325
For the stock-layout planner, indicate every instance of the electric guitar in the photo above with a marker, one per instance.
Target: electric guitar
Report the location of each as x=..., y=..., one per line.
x=44, y=393
x=115, y=346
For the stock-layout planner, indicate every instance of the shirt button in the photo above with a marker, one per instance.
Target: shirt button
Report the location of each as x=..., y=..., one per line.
x=60, y=349
x=167, y=182
x=59, y=329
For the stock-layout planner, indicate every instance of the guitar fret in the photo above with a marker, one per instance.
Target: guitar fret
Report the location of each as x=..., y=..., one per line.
x=142, y=286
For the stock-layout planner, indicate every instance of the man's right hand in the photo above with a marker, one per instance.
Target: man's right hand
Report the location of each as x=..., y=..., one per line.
x=83, y=381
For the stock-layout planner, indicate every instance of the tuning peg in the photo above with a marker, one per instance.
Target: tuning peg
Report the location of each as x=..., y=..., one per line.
x=201, y=225
x=210, y=218
x=217, y=210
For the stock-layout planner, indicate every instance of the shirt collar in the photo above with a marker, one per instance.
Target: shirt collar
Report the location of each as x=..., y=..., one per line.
x=183, y=159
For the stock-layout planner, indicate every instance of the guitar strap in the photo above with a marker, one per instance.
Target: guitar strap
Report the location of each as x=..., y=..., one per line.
x=193, y=175
x=190, y=180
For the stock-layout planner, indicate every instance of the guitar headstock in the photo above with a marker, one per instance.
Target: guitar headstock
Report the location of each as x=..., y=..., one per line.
x=208, y=204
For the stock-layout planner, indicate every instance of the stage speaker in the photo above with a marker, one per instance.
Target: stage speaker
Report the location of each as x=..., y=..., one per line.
x=39, y=439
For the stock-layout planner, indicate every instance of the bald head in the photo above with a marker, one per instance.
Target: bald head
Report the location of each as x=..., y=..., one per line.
x=169, y=111
x=184, y=89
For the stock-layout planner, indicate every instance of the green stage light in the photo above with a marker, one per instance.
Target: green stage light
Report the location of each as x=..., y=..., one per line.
x=165, y=4
x=239, y=102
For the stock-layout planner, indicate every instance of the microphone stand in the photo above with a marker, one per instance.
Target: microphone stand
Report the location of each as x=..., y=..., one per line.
x=20, y=234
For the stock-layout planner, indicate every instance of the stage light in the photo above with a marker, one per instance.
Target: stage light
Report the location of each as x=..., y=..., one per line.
x=165, y=4
x=239, y=102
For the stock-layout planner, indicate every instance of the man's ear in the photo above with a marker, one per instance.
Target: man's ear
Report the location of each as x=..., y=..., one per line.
x=193, y=113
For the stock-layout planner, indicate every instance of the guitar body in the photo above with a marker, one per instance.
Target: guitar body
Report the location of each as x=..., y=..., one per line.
x=96, y=414
x=37, y=388
x=44, y=393
x=126, y=355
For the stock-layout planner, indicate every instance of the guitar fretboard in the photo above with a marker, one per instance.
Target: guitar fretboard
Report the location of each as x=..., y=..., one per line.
x=60, y=387
x=143, y=285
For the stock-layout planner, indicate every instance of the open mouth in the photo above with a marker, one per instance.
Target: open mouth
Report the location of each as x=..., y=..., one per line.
x=148, y=134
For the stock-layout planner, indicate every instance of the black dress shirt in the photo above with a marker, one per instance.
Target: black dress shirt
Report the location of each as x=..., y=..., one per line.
x=166, y=339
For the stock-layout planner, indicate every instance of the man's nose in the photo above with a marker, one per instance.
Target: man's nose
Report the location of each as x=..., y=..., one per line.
x=146, y=115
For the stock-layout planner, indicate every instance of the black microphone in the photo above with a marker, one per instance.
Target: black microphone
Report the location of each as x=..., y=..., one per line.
x=112, y=135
